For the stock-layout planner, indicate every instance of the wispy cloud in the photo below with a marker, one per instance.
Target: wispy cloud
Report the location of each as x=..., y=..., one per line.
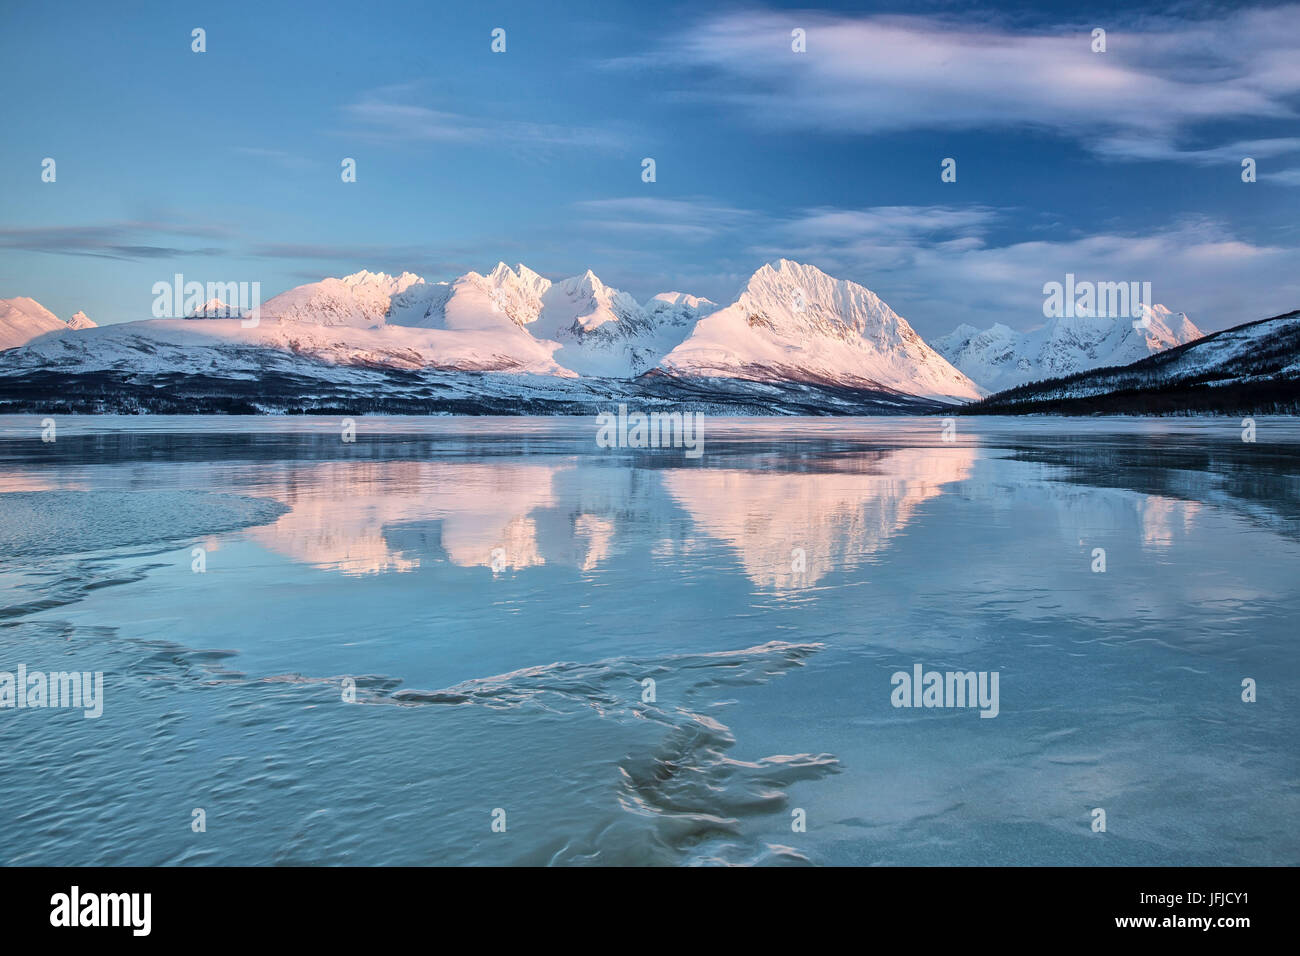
x=891, y=222
x=1156, y=81
x=116, y=240
x=325, y=251
x=389, y=115
x=1285, y=177
x=1143, y=147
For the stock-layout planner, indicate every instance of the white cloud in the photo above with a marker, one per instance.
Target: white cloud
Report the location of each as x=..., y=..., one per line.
x=868, y=74
x=1287, y=177
x=1138, y=147
x=892, y=222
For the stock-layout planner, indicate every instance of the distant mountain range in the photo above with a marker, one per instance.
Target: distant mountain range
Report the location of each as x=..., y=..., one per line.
x=1249, y=369
x=999, y=358
x=794, y=341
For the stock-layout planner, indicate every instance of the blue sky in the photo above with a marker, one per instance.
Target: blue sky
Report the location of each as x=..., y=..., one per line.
x=225, y=165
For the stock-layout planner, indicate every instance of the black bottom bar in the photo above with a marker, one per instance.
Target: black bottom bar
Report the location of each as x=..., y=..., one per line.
x=339, y=905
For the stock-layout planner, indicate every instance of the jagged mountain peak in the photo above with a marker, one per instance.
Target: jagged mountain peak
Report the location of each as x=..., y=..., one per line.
x=502, y=272
x=794, y=321
x=802, y=289
x=1000, y=357
x=788, y=267
x=359, y=300
x=23, y=319
x=502, y=276
x=603, y=302
x=786, y=271
x=682, y=299
x=393, y=284
x=214, y=309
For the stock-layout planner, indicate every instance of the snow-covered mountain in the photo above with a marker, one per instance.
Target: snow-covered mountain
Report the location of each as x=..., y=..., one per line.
x=579, y=325
x=358, y=301
x=1252, y=369
x=605, y=332
x=23, y=319
x=998, y=358
x=795, y=341
x=793, y=322
x=214, y=309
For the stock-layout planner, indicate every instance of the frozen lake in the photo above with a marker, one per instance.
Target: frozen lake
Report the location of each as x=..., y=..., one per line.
x=392, y=639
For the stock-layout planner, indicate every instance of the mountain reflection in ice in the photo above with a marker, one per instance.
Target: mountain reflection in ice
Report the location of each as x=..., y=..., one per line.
x=499, y=593
x=371, y=517
x=356, y=517
x=834, y=517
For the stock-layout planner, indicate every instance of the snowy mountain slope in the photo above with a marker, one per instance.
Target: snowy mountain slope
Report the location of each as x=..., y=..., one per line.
x=497, y=301
x=793, y=322
x=1253, y=367
x=999, y=357
x=591, y=328
x=508, y=318
x=360, y=300
x=221, y=346
x=23, y=319
x=605, y=332
x=341, y=322
x=268, y=381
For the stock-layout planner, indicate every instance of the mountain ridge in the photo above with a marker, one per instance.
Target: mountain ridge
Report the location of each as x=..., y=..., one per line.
x=792, y=333
x=800, y=325
x=999, y=357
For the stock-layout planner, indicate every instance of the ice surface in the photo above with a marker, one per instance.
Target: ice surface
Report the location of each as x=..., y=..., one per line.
x=514, y=678
x=60, y=522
